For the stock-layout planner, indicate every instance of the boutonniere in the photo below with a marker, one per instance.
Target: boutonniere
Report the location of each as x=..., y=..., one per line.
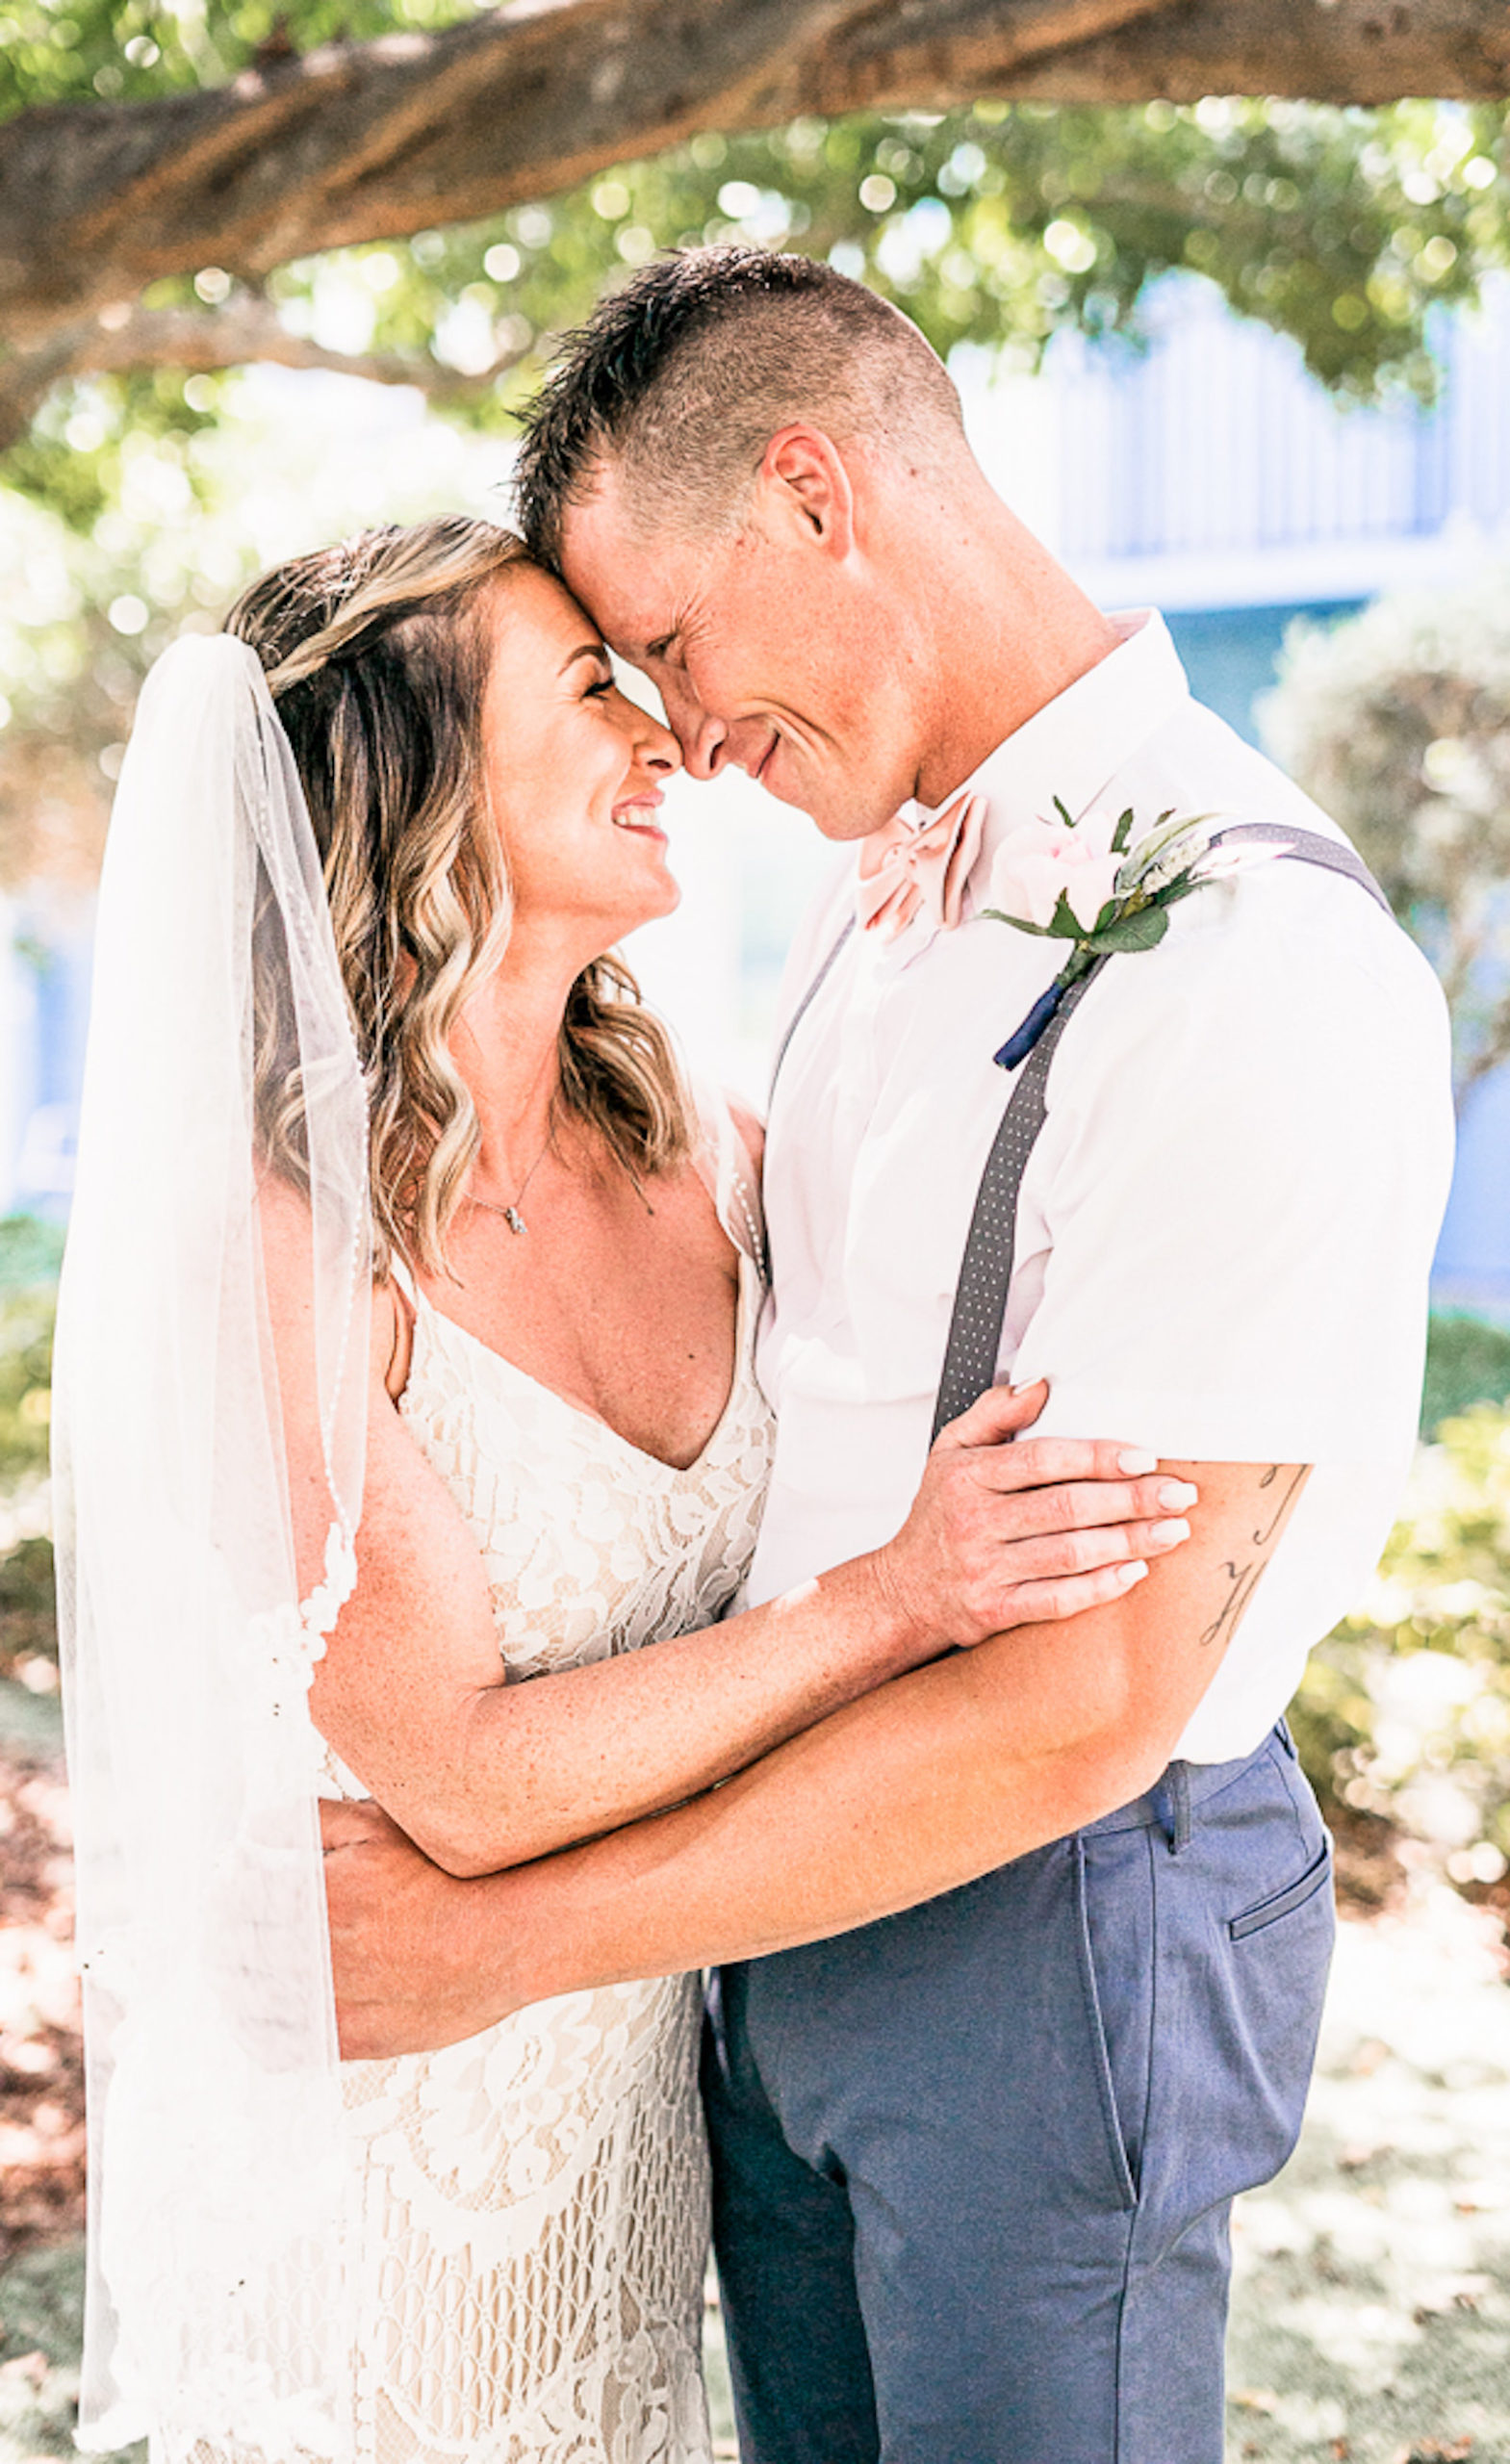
x=1066, y=881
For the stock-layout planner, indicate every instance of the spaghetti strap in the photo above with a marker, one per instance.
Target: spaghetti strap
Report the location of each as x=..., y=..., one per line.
x=729, y=1172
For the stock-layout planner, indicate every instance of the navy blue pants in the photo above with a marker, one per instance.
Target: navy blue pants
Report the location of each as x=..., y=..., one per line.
x=973, y=2166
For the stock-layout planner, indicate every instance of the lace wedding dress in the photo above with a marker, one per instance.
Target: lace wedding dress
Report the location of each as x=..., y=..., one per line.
x=530, y=2207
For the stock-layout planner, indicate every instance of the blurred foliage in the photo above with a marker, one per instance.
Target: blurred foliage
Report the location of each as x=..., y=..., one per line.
x=84, y=612
x=121, y=510
x=998, y=224
x=42, y=2329
x=88, y=50
x=126, y=510
x=29, y=1258
x=31, y=1251
x=995, y=226
x=26, y=1319
x=1466, y=1361
x=28, y=1606
x=1405, y=1710
x=1399, y=723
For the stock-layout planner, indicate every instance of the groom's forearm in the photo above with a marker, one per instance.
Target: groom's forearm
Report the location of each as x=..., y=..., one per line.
x=848, y=1824
x=885, y=1804
x=936, y=1779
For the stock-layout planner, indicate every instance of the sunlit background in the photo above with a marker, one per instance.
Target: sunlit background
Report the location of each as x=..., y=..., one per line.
x=1335, y=566
x=1211, y=475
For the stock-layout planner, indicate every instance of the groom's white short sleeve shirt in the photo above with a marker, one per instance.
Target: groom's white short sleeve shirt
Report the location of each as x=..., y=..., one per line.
x=1225, y=1228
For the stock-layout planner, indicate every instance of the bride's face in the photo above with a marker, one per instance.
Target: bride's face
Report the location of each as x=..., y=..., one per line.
x=575, y=770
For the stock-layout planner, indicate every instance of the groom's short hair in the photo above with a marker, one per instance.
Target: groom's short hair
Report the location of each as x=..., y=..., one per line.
x=681, y=377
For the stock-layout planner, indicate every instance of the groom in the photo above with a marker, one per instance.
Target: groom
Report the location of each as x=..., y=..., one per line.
x=1023, y=1957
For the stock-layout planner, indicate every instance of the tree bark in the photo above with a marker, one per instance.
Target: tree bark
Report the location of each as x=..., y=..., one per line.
x=376, y=140
x=189, y=340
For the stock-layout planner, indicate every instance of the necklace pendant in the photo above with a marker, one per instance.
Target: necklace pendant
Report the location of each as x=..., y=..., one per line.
x=514, y=1219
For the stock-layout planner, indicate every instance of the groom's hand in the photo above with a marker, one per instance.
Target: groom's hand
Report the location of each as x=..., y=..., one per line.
x=406, y=1961
x=1010, y=1531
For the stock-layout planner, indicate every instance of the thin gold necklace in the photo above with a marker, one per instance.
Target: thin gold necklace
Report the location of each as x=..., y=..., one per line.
x=511, y=1213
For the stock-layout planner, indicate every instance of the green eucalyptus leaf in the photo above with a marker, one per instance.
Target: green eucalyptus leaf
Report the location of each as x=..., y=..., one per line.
x=1121, y=837
x=1143, y=931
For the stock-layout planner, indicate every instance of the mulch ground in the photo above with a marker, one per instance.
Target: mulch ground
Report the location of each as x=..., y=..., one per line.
x=41, y=2068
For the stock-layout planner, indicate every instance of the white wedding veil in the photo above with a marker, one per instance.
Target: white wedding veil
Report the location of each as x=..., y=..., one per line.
x=216, y=2314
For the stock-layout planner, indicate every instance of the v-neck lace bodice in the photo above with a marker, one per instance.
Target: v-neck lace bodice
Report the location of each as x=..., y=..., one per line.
x=530, y=2208
x=592, y=1545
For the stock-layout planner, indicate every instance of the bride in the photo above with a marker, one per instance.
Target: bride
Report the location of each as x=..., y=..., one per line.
x=392, y=1199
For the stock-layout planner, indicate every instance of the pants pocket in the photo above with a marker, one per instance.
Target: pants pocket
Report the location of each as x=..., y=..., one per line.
x=1123, y=2170
x=1280, y=1903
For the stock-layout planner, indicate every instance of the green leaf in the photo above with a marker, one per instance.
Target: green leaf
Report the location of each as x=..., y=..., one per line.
x=1122, y=835
x=1018, y=923
x=1143, y=931
x=1175, y=890
x=1064, y=925
x=1064, y=812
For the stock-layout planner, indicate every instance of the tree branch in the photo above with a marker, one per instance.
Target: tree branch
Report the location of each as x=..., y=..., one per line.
x=190, y=340
x=376, y=140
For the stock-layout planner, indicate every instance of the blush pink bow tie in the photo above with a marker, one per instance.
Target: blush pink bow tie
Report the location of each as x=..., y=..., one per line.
x=902, y=870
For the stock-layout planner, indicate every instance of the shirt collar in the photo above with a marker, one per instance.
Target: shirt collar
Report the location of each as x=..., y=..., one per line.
x=1073, y=748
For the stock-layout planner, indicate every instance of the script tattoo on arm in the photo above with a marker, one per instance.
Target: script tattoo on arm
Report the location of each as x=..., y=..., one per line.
x=1279, y=1485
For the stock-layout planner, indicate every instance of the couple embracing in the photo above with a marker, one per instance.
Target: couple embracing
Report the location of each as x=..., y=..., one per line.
x=979, y=1467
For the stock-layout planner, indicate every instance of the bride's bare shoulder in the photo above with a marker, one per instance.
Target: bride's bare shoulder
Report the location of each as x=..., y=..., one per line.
x=285, y=1224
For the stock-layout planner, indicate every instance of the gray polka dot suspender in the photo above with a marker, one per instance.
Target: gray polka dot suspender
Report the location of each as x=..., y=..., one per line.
x=980, y=1310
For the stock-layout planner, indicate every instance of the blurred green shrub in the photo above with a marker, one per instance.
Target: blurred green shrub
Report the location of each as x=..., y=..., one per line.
x=28, y=1608
x=26, y=1323
x=29, y=1258
x=1399, y=723
x=31, y=1253
x=1466, y=1361
x=1405, y=1710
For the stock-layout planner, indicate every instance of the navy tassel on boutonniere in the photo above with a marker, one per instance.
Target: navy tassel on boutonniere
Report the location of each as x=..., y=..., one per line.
x=1041, y=1014
x=1101, y=903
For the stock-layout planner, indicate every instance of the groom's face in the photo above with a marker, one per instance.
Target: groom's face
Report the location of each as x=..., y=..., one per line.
x=764, y=650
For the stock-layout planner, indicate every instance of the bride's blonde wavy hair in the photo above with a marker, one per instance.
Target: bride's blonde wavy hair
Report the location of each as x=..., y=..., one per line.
x=377, y=654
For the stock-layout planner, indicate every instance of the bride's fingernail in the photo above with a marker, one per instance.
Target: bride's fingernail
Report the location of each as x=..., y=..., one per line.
x=1167, y=1533
x=1133, y=1571
x=1134, y=1459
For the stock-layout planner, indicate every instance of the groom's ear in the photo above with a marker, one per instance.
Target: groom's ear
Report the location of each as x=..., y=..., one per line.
x=807, y=489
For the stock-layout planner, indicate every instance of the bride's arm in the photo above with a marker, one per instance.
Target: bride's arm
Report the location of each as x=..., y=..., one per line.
x=941, y=1777
x=483, y=1775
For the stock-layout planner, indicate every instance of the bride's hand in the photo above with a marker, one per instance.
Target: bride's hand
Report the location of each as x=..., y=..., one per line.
x=405, y=1963
x=1003, y=1534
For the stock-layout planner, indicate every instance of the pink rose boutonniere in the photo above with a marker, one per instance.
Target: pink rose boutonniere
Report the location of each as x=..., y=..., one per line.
x=1068, y=881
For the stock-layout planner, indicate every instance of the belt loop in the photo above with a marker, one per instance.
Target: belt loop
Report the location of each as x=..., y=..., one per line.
x=1175, y=1787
